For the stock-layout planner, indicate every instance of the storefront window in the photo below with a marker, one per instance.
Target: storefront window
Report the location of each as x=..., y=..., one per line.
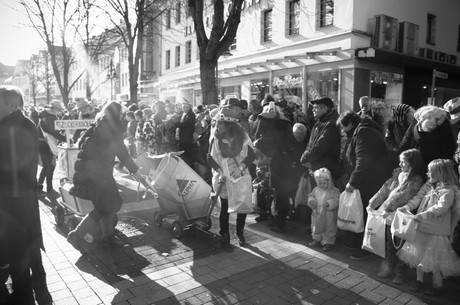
x=259, y=87
x=230, y=91
x=386, y=87
x=287, y=85
x=322, y=84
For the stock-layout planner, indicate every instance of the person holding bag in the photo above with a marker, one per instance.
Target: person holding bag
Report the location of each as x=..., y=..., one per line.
x=230, y=155
x=48, y=138
x=367, y=165
x=395, y=192
x=431, y=251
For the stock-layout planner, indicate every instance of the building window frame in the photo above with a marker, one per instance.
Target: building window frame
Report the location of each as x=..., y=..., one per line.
x=188, y=51
x=168, y=19
x=325, y=13
x=168, y=60
x=177, y=57
x=293, y=18
x=266, y=25
x=178, y=12
x=431, y=29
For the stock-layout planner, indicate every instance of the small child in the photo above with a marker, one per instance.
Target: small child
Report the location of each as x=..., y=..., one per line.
x=395, y=192
x=324, y=202
x=262, y=185
x=432, y=251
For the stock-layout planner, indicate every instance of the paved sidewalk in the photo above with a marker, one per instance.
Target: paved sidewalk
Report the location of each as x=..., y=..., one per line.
x=159, y=269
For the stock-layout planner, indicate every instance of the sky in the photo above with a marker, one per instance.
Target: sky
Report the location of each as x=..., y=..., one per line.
x=17, y=40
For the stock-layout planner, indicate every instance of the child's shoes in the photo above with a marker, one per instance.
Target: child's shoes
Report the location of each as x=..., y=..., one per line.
x=314, y=243
x=398, y=279
x=328, y=247
x=416, y=286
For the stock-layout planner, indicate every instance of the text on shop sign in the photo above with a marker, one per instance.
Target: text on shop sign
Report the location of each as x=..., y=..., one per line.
x=72, y=124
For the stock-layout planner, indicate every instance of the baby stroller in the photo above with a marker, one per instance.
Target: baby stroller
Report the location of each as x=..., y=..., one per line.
x=184, y=198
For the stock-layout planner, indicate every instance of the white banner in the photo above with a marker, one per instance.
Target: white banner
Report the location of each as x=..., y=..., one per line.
x=72, y=124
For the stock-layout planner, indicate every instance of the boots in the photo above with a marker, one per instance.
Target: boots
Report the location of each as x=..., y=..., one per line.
x=84, y=235
x=240, y=235
x=107, y=230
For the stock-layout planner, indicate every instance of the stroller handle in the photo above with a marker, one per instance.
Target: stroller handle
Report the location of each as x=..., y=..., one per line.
x=142, y=181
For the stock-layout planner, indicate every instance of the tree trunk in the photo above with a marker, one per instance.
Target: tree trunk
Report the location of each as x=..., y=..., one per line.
x=208, y=82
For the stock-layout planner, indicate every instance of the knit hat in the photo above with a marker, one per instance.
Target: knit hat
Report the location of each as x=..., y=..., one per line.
x=452, y=106
x=400, y=112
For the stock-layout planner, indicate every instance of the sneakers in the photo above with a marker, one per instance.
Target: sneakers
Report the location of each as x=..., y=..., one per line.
x=360, y=255
x=52, y=194
x=328, y=247
x=314, y=243
x=415, y=286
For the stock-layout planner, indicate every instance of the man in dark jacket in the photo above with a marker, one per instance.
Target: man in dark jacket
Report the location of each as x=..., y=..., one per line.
x=186, y=130
x=367, y=164
x=323, y=149
x=20, y=230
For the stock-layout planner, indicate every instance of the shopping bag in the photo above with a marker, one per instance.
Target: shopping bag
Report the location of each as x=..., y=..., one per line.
x=374, y=234
x=350, y=215
x=404, y=225
x=303, y=190
x=52, y=142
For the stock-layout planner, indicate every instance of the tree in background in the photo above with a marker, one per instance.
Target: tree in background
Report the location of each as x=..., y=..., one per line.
x=222, y=34
x=135, y=17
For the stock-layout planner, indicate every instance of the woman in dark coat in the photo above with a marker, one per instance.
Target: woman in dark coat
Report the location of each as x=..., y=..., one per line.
x=93, y=178
x=367, y=164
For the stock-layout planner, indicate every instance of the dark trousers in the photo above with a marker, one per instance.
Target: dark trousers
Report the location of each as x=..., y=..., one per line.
x=48, y=165
x=223, y=219
x=36, y=266
x=188, y=155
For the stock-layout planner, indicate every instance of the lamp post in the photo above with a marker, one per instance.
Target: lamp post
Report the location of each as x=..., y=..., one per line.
x=111, y=75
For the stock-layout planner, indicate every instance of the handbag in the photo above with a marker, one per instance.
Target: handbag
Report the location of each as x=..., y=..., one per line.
x=404, y=225
x=303, y=190
x=350, y=215
x=374, y=234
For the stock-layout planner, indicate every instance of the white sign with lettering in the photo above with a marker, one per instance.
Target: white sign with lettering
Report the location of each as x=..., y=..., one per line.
x=72, y=124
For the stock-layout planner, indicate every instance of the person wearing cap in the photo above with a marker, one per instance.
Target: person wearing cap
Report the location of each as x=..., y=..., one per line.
x=323, y=148
x=20, y=229
x=367, y=165
x=46, y=128
x=230, y=155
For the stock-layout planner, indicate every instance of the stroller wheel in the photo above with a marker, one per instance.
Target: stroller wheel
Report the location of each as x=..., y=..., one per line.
x=158, y=219
x=72, y=224
x=177, y=229
x=59, y=216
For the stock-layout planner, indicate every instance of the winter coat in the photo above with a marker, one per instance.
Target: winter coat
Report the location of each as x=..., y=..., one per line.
x=19, y=208
x=94, y=166
x=186, y=127
x=437, y=144
x=394, y=193
x=324, y=218
x=434, y=203
x=323, y=149
x=367, y=161
x=46, y=124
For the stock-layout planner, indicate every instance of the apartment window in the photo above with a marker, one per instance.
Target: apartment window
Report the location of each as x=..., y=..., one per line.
x=188, y=52
x=458, y=39
x=177, y=61
x=325, y=12
x=168, y=60
x=267, y=25
x=431, y=29
x=178, y=7
x=168, y=19
x=293, y=17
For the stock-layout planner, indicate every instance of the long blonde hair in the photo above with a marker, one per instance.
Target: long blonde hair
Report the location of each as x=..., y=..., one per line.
x=442, y=171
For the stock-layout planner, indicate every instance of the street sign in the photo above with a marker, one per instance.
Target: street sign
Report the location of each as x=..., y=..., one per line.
x=440, y=74
x=72, y=124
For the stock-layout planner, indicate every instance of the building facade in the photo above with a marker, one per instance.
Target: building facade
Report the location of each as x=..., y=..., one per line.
x=310, y=48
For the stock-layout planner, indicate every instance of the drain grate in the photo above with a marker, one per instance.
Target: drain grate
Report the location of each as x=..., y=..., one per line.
x=130, y=224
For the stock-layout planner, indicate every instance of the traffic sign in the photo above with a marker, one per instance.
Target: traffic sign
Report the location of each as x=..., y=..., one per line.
x=440, y=74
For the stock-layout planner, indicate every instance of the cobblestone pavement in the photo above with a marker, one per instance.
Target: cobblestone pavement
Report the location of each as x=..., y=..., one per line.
x=272, y=269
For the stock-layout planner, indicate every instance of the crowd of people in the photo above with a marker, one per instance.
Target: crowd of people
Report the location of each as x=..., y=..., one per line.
x=269, y=155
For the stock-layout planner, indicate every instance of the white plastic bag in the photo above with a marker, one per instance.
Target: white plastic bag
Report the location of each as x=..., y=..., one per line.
x=404, y=225
x=350, y=215
x=374, y=234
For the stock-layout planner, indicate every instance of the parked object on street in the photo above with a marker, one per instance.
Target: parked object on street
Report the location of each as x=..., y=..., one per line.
x=184, y=198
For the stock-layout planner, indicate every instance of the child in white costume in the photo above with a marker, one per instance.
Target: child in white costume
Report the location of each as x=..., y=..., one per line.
x=432, y=250
x=324, y=202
